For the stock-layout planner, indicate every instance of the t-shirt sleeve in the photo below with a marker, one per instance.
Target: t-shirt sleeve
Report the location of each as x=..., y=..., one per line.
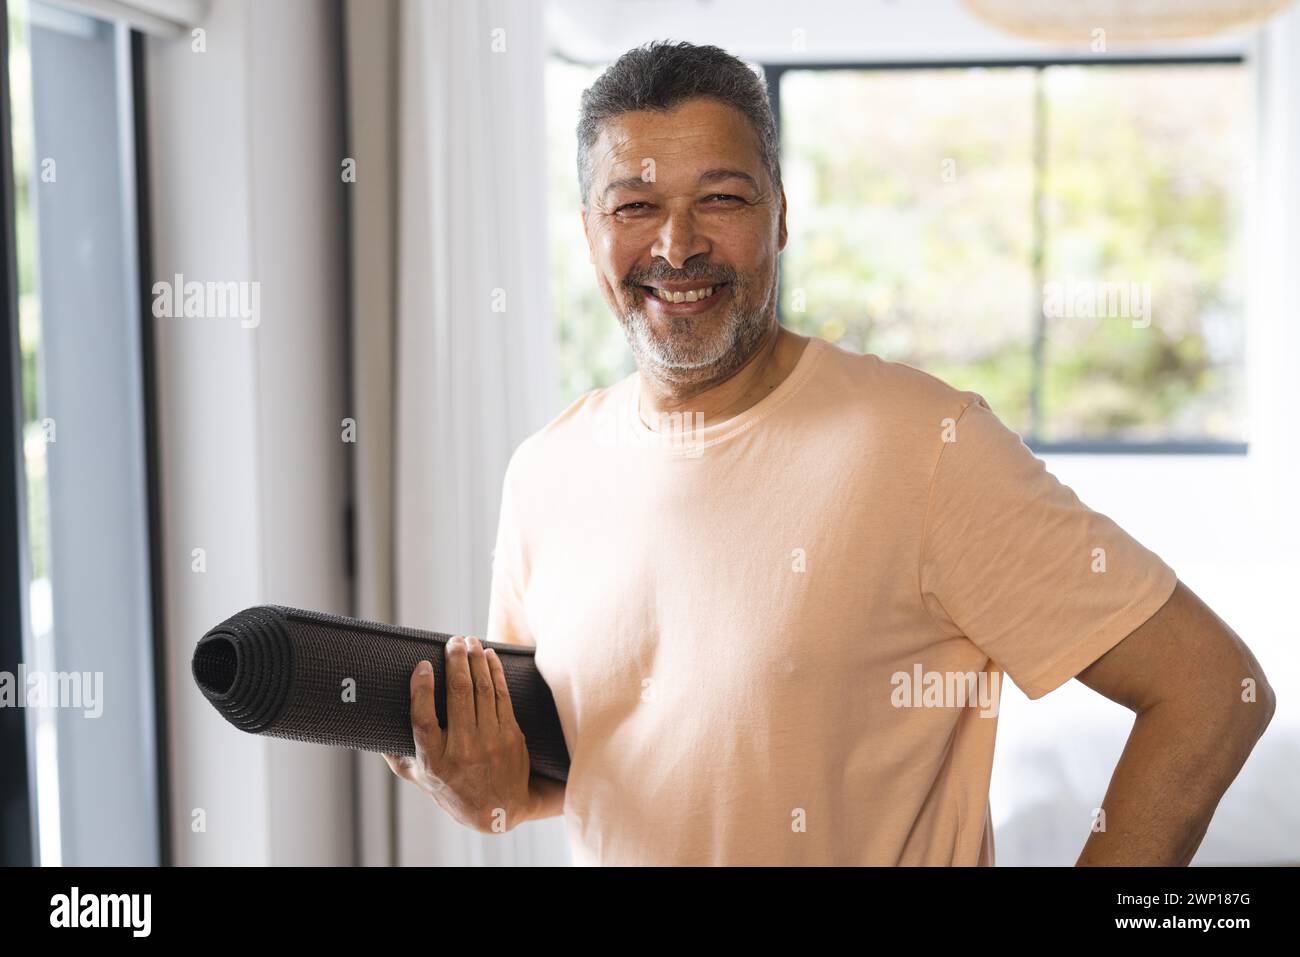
x=507, y=622
x=1011, y=559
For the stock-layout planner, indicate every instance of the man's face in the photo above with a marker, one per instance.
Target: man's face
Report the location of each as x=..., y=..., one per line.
x=681, y=201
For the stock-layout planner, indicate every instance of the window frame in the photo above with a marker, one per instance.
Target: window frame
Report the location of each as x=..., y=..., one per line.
x=17, y=848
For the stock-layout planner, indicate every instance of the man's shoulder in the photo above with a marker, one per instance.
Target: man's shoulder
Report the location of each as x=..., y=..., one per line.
x=574, y=422
x=889, y=387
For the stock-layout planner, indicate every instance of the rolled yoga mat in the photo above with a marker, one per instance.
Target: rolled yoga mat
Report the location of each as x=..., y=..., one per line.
x=284, y=672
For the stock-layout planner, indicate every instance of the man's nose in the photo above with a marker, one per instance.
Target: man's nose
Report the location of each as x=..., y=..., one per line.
x=678, y=239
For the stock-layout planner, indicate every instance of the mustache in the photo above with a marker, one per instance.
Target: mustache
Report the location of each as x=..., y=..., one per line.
x=701, y=273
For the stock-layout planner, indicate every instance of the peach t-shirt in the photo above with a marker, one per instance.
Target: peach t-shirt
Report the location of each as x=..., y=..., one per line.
x=758, y=631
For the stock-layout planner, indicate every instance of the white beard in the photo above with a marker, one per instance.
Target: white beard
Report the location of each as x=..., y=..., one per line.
x=664, y=354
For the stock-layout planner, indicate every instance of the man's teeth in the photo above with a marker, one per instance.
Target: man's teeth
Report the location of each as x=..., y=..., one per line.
x=693, y=296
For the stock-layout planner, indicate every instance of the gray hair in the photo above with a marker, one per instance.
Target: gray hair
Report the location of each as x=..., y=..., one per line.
x=660, y=76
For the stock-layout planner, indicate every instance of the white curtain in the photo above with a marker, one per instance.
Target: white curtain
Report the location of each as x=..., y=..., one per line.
x=452, y=356
x=250, y=463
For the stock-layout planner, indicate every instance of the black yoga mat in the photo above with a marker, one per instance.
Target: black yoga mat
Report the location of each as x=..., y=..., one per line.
x=282, y=671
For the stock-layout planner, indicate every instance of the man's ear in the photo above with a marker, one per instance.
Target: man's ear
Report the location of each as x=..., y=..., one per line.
x=783, y=235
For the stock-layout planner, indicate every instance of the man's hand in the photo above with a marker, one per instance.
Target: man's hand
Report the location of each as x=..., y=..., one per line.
x=477, y=769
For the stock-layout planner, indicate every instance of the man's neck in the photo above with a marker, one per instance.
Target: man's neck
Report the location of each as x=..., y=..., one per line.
x=773, y=360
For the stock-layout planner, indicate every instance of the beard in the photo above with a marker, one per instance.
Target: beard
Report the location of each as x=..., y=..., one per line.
x=697, y=349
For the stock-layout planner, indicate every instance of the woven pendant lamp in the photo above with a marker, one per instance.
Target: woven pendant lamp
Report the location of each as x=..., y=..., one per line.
x=1122, y=20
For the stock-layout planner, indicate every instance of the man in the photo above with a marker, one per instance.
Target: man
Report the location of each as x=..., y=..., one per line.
x=772, y=583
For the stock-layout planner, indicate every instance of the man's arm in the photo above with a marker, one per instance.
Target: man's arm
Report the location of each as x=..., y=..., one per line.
x=1186, y=675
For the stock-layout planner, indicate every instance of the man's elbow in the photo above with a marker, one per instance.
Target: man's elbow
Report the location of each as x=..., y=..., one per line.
x=1246, y=720
x=1260, y=705
x=1247, y=709
x=1234, y=721
x=1268, y=704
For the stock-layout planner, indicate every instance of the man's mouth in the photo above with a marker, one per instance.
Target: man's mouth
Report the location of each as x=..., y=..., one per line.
x=679, y=294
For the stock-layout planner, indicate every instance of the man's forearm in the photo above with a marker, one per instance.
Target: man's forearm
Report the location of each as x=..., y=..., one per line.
x=1168, y=782
x=546, y=797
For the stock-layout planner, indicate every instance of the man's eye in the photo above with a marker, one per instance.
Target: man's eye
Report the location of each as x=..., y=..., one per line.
x=629, y=206
x=726, y=196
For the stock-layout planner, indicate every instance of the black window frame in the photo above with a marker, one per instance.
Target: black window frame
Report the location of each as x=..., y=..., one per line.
x=773, y=73
x=17, y=841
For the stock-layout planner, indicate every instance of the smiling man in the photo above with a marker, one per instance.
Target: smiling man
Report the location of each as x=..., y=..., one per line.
x=727, y=624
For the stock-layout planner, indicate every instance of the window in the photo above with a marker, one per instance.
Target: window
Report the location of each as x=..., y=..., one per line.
x=1064, y=239
x=76, y=424
x=591, y=351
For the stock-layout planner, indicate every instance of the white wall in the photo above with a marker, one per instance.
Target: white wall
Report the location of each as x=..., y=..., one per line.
x=244, y=152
